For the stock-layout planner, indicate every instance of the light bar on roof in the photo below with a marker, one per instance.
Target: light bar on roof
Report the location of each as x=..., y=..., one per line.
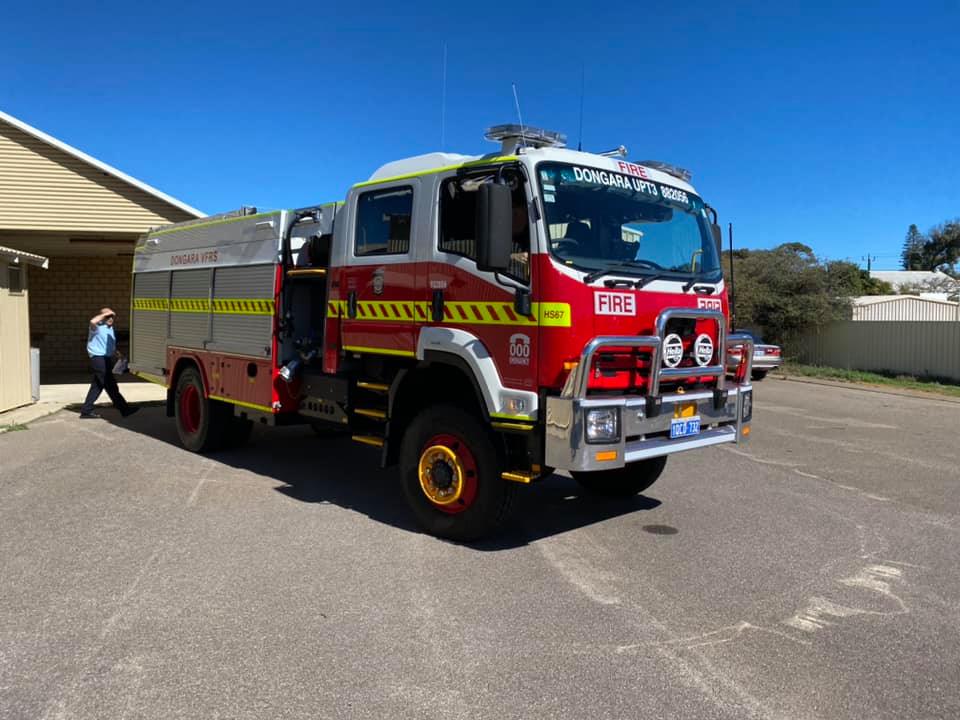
x=678, y=172
x=525, y=135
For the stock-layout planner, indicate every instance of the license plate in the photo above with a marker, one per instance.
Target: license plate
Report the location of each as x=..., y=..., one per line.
x=684, y=427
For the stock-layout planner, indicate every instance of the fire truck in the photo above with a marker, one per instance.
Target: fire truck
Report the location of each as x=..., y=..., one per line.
x=481, y=321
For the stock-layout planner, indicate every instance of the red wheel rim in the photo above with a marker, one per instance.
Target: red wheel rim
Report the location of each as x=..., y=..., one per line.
x=190, y=409
x=448, y=473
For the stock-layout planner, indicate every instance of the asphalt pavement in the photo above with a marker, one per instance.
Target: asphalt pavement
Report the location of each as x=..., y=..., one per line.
x=812, y=573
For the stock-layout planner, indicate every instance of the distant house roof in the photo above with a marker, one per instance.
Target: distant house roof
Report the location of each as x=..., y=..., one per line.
x=911, y=299
x=102, y=166
x=898, y=278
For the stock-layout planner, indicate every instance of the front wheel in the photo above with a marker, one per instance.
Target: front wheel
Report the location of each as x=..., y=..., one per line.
x=758, y=374
x=627, y=481
x=450, y=475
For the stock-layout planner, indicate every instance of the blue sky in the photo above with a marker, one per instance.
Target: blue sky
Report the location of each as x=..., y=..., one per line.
x=832, y=124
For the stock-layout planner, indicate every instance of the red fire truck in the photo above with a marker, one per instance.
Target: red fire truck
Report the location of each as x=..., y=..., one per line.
x=482, y=321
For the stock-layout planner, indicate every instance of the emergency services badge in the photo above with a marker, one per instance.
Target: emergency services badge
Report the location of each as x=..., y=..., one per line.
x=378, y=281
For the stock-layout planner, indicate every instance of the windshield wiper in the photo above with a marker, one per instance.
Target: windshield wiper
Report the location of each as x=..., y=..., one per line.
x=629, y=265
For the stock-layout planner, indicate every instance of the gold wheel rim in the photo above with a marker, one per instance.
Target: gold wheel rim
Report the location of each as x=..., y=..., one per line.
x=428, y=459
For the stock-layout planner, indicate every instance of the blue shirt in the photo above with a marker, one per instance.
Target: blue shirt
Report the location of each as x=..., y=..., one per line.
x=101, y=341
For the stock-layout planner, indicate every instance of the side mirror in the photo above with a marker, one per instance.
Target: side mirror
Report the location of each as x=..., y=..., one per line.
x=494, y=229
x=717, y=238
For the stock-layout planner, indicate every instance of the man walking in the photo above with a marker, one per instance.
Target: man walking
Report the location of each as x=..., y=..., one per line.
x=101, y=347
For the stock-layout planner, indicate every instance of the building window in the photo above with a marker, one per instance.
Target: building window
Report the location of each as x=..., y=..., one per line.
x=15, y=277
x=383, y=222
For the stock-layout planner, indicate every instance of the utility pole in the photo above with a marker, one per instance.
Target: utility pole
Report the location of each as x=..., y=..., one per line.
x=869, y=259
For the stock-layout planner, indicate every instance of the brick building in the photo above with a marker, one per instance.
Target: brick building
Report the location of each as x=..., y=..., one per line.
x=84, y=216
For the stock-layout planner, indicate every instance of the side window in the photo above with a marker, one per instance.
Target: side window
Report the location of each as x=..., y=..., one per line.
x=458, y=218
x=383, y=222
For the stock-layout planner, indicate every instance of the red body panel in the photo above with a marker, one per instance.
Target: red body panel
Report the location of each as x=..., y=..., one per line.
x=545, y=349
x=242, y=380
x=637, y=312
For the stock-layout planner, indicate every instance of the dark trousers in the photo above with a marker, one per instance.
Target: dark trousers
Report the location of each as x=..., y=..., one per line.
x=103, y=380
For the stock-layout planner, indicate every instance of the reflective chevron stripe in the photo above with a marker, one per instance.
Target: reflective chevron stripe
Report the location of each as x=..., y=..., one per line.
x=221, y=306
x=455, y=313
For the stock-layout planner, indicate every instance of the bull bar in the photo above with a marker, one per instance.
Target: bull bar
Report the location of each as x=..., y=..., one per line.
x=644, y=421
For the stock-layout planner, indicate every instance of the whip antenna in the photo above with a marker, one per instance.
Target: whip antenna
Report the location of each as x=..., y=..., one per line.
x=516, y=100
x=443, y=100
x=580, y=133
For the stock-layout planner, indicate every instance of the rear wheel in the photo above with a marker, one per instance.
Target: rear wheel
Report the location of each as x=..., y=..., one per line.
x=622, y=482
x=450, y=474
x=201, y=423
x=758, y=374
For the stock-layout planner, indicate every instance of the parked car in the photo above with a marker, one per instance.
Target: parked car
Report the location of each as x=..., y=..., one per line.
x=766, y=357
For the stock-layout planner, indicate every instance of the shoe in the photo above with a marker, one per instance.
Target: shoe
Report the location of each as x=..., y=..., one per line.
x=89, y=416
x=129, y=411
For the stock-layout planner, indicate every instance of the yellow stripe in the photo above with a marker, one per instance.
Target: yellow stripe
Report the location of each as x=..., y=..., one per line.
x=211, y=223
x=512, y=417
x=253, y=406
x=378, y=351
x=511, y=426
x=150, y=378
x=551, y=314
x=221, y=306
x=431, y=171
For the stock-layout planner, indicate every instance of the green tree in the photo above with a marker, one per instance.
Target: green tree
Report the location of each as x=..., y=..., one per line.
x=942, y=249
x=912, y=256
x=787, y=290
x=845, y=279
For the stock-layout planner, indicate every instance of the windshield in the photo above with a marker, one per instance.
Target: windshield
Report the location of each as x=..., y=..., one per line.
x=596, y=218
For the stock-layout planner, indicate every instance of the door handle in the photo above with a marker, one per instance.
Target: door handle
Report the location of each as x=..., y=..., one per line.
x=438, y=305
x=352, y=304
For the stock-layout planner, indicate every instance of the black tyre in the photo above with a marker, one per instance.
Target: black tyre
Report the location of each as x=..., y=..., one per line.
x=627, y=481
x=450, y=475
x=201, y=423
x=759, y=374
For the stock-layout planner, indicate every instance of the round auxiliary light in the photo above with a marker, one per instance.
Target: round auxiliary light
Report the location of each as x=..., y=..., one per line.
x=703, y=350
x=672, y=350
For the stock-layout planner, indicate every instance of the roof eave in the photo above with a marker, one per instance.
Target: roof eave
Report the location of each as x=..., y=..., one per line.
x=79, y=154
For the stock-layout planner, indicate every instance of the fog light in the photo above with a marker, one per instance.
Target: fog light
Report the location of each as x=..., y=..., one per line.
x=603, y=425
x=746, y=406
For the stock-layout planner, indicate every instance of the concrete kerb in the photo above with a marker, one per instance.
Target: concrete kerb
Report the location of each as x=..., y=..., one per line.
x=54, y=398
x=865, y=387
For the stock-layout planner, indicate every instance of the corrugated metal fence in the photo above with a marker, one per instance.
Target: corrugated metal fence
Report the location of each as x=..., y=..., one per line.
x=921, y=349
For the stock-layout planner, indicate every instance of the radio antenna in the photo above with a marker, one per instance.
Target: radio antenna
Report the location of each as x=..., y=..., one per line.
x=580, y=134
x=443, y=100
x=516, y=100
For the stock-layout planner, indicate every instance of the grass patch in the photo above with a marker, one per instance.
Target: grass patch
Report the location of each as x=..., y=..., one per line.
x=12, y=427
x=905, y=382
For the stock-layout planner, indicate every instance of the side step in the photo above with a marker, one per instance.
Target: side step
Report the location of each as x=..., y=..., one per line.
x=371, y=413
x=371, y=440
x=373, y=387
x=521, y=476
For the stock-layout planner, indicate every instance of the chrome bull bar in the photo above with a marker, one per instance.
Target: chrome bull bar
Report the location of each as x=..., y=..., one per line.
x=579, y=380
x=645, y=420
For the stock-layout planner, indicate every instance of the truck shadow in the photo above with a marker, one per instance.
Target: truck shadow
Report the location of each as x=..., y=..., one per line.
x=333, y=469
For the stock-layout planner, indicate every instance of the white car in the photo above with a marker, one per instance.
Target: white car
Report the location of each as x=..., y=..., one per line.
x=766, y=357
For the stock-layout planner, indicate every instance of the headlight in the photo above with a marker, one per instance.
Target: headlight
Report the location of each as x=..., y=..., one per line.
x=603, y=425
x=746, y=406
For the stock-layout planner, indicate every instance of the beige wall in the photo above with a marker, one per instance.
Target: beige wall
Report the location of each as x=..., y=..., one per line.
x=43, y=188
x=14, y=343
x=64, y=297
x=921, y=349
x=906, y=308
